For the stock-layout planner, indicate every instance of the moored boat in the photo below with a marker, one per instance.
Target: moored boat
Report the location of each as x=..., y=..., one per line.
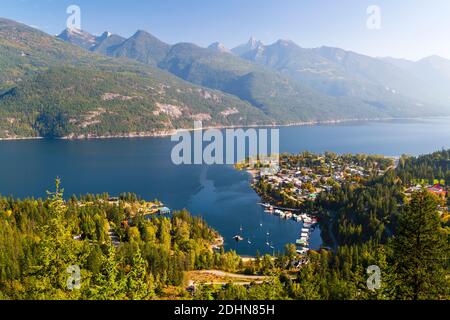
x=278, y=212
x=301, y=242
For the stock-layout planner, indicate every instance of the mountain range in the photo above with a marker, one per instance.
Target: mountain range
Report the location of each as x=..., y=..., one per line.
x=298, y=77
x=81, y=85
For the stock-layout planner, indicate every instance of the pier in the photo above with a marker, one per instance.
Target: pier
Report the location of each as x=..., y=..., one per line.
x=266, y=205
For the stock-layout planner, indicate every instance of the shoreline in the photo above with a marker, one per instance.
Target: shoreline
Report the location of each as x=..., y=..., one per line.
x=170, y=132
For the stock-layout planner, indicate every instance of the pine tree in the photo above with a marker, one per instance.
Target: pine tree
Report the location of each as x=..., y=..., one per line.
x=137, y=282
x=109, y=284
x=420, y=251
x=57, y=251
x=308, y=285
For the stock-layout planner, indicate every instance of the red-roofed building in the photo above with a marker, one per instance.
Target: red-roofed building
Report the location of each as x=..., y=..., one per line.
x=438, y=190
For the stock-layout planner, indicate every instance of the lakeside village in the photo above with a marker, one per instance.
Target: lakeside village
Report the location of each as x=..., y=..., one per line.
x=291, y=191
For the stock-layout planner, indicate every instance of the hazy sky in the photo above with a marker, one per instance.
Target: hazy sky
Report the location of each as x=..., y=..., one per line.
x=410, y=29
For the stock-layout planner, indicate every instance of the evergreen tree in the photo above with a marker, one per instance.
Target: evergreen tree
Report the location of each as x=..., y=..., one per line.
x=57, y=251
x=420, y=251
x=138, y=285
x=307, y=287
x=109, y=284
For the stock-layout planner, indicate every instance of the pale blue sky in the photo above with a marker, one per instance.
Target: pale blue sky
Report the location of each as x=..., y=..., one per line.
x=409, y=29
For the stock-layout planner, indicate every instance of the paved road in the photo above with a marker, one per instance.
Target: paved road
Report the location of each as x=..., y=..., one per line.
x=233, y=275
x=243, y=279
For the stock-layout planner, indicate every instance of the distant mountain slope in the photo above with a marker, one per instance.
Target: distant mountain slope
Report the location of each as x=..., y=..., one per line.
x=52, y=88
x=341, y=73
x=143, y=47
x=80, y=38
x=434, y=71
x=334, y=77
x=103, y=44
x=107, y=43
x=392, y=79
x=219, y=47
x=279, y=97
x=251, y=45
x=286, y=101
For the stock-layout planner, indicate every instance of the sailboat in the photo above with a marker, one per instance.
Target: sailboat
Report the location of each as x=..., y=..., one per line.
x=239, y=236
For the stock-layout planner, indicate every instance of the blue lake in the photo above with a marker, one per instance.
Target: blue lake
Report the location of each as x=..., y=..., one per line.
x=220, y=194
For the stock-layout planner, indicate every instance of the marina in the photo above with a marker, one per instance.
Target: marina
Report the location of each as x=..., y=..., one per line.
x=308, y=224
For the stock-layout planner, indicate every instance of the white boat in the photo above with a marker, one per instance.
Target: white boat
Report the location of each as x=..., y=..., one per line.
x=306, y=230
x=239, y=236
x=305, y=235
x=282, y=215
x=278, y=212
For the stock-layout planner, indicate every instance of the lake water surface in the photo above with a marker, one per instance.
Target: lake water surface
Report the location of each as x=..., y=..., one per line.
x=220, y=194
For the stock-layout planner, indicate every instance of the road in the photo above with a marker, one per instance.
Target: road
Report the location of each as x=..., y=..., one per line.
x=233, y=275
x=242, y=279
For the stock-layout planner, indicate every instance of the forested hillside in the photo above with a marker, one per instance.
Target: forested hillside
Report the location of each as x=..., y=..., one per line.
x=53, y=89
x=104, y=103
